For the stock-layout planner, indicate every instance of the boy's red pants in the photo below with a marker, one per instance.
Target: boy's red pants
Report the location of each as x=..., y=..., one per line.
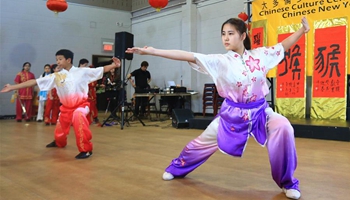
x=76, y=117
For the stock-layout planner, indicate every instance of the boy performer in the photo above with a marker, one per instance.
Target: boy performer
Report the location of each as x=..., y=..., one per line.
x=72, y=88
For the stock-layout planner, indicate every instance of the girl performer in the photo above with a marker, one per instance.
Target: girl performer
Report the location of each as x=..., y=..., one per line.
x=240, y=76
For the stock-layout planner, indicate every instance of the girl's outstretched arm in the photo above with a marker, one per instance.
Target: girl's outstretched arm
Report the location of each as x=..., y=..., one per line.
x=292, y=39
x=170, y=54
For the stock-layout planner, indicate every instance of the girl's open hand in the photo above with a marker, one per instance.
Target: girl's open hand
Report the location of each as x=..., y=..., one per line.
x=142, y=51
x=305, y=24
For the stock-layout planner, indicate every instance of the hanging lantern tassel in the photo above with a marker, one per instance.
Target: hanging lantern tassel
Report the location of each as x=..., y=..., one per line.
x=249, y=26
x=57, y=6
x=158, y=4
x=243, y=16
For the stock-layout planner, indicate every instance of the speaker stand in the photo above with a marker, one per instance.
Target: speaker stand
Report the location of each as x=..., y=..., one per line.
x=123, y=101
x=123, y=96
x=113, y=114
x=122, y=104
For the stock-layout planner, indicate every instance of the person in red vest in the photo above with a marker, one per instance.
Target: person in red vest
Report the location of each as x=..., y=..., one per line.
x=93, y=103
x=93, y=114
x=52, y=104
x=24, y=102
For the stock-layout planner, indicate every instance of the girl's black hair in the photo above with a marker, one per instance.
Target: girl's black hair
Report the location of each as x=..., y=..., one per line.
x=51, y=71
x=53, y=67
x=24, y=64
x=83, y=61
x=241, y=27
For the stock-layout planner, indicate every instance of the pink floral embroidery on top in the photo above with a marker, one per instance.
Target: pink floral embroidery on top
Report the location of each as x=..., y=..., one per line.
x=236, y=55
x=245, y=72
x=278, y=53
x=263, y=68
x=245, y=92
x=254, y=79
x=245, y=117
x=253, y=64
x=239, y=84
x=253, y=98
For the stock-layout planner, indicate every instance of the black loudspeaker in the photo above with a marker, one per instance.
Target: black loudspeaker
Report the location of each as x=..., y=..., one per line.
x=181, y=118
x=123, y=40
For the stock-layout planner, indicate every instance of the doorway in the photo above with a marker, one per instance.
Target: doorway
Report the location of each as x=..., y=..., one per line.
x=98, y=61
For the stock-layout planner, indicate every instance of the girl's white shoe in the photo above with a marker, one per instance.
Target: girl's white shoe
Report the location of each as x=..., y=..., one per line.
x=167, y=176
x=292, y=193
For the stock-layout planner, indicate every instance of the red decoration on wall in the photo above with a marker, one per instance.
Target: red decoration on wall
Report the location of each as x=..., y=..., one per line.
x=158, y=4
x=329, y=71
x=291, y=70
x=243, y=16
x=257, y=37
x=57, y=5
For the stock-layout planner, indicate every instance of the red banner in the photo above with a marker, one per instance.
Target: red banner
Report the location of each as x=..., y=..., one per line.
x=329, y=62
x=291, y=70
x=257, y=37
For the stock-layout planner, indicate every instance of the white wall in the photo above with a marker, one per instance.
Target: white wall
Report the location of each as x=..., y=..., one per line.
x=30, y=32
x=161, y=31
x=168, y=30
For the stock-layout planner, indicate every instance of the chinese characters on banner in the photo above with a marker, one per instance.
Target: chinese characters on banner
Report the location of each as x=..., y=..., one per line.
x=257, y=37
x=329, y=62
x=291, y=70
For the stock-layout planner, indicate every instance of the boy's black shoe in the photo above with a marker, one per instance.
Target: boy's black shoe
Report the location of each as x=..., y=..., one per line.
x=96, y=120
x=83, y=155
x=52, y=144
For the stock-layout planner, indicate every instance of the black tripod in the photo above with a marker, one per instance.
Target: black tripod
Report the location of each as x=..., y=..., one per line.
x=114, y=100
x=122, y=104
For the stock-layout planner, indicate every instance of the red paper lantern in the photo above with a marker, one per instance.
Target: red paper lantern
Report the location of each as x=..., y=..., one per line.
x=57, y=5
x=158, y=4
x=243, y=16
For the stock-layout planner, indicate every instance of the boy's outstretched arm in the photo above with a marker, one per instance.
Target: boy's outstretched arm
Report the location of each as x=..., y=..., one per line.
x=292, y=39
x=115, y=64
x=29, y=83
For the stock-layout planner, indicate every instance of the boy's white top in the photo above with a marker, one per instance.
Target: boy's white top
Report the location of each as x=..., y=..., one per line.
x=72, y=86
x=241, y=79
